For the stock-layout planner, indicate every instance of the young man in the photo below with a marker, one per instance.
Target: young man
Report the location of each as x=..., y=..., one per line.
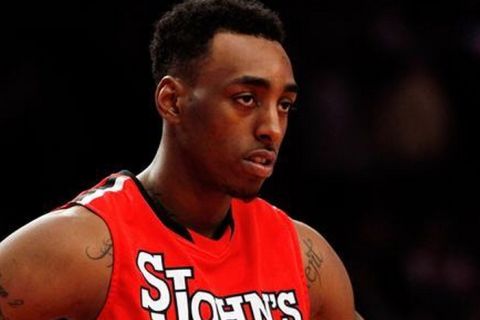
x=187, y=238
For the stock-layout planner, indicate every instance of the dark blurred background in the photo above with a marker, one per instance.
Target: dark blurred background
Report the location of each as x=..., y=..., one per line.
x=380, y=156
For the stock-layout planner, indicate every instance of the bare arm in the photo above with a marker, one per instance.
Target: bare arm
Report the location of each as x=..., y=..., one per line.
x=56, y=267
x=329, y=286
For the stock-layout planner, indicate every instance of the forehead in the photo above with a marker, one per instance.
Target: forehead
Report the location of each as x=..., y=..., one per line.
x=235, y=55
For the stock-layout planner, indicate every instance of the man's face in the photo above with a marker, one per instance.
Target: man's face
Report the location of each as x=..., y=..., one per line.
x=237, y=112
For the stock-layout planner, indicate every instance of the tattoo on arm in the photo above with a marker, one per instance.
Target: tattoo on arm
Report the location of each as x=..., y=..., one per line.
x=16, y=303
x=13, y=303
x=3, y=292
x=2, y=316
x=313, y=263
x=105, y=251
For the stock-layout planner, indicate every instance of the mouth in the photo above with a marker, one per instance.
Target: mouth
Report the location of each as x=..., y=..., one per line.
x=260, y=163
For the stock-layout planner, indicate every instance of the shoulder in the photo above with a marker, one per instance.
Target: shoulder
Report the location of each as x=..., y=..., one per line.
x=55, y=264
x=328, y=283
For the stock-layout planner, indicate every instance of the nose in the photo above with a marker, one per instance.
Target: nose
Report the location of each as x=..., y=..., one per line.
x=270, y=125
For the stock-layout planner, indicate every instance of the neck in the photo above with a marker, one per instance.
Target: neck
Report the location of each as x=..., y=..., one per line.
x=188, y=201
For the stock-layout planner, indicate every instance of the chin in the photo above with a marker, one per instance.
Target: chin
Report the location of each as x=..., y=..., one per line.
x=245, y=194
x=245, y=197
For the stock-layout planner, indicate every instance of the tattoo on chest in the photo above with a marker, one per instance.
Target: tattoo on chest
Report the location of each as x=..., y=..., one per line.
x=105, y=252
x=313, y=263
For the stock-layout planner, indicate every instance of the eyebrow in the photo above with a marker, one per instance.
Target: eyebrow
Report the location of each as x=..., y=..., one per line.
x=261, y=82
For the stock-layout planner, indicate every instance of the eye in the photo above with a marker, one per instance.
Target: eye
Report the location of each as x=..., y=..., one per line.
x=286, y=106
x=246, y=99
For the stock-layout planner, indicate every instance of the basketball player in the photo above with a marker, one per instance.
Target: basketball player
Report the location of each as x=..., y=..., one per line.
x=187, y=238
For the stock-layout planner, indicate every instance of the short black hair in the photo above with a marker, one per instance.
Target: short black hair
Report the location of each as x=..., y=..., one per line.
x=182, y=36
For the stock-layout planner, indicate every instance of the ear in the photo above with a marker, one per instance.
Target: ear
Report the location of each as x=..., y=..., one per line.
x=168, y=98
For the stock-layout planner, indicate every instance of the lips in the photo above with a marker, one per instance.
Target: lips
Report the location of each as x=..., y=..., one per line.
x=260, y=163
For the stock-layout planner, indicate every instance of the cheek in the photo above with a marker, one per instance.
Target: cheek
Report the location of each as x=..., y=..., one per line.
x=284, y=124
x=210, y=131
x=218, y=120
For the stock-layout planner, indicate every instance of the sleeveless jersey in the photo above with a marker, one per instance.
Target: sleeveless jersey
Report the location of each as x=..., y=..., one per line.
x=162, y=270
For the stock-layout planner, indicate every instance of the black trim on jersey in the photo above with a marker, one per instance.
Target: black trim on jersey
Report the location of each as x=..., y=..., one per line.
x=108, y=183
x=164, y=215
x=227, y=222
x=159, y=209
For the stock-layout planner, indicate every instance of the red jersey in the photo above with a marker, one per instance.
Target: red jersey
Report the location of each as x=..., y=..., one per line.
x=162, y=270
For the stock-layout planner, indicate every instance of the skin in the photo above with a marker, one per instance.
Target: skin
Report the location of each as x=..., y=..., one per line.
x=238, y=104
